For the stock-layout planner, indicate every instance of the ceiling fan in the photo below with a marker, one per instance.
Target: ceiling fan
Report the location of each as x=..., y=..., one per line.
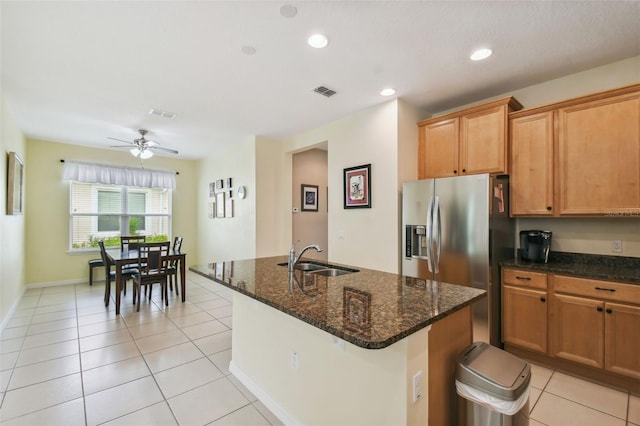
x=143, y=147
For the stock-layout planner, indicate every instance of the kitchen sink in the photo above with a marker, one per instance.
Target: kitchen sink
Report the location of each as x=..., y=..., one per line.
x=323, y=269
x=332, y=272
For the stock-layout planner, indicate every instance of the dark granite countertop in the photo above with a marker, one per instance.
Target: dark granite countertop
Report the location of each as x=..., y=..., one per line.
x=611, y=268
x=368, y=308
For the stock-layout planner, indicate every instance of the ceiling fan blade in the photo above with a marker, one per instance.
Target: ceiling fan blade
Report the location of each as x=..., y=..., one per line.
x=120, y=140
x=159, y=148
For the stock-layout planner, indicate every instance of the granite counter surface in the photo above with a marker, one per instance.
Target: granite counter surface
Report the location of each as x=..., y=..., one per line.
x=610, y=268
x=368, y=308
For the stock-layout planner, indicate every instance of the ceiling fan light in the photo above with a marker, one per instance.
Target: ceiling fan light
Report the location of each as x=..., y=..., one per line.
x=135, y=151
x=146, y=154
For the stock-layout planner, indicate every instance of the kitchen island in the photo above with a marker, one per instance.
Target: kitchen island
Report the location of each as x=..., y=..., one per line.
x=347, y=349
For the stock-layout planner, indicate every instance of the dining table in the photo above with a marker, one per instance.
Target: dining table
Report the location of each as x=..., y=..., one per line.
x=119, y=258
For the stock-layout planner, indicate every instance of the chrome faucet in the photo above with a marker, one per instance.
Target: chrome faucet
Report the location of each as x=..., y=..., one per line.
x=293, y=259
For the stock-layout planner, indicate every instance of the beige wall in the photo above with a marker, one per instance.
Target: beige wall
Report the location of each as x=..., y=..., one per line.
x=310, y=168
x=12, y=228
x=362, y=237
x=47, y=218
x=227, y=238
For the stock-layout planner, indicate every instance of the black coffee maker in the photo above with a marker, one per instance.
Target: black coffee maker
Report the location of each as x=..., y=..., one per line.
x=535, y=245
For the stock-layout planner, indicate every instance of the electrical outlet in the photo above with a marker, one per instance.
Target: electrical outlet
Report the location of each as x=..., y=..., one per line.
x=616, y=246
x=294, y=360
x=417, y=386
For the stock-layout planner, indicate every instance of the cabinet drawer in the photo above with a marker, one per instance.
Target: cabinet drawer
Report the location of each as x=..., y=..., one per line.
x=524, y=278
x=596, y=288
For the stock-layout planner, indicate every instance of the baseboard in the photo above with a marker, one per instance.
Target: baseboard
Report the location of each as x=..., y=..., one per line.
x=12, y=310
x=57, y=283
x=278, y=410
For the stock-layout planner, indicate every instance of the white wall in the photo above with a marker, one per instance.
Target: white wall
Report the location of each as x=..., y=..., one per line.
x=228, y=238
x=12, y=228
x=362, y=237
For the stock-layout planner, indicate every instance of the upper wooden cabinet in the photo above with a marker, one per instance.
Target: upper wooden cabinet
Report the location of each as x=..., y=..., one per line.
x=599, y=156
x=577, y=157
x=469, y=141
x=532, y=164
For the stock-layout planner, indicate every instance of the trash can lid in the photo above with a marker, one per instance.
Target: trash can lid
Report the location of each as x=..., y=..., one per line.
x=493, y=371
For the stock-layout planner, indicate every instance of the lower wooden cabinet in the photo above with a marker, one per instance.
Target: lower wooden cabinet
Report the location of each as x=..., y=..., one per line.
x=577, y=329
x=588, y=322
x=622, y=339
x=524, y=318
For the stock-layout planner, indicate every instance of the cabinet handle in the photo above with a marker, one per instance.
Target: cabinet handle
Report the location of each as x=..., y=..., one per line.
x=609, y=311
x=599, y=308
x=464, y=170
x=549, y=208
x=543, y=299
x=455, y=171
x=523, y=278
x=606, y=289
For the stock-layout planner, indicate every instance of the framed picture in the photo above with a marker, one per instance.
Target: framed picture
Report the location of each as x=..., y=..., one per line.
x=15, y=174
x=229, y=181
x=211, y=210
x=309, y=197
x=357, y=187
x=219, y=184
x=220, y=204
x=357, y=309
x=228, y=208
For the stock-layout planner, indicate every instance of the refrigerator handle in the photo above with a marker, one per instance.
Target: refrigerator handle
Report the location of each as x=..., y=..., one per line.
x=437, y=225
x=430, y=236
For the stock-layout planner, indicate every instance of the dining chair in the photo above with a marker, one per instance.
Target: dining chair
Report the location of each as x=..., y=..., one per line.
x=173, y=266
x=153, y=261
x=131, y=242
x=127, y=274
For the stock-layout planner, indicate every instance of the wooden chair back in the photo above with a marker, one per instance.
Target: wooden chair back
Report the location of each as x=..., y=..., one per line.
x=152, y=258
x=131, y=242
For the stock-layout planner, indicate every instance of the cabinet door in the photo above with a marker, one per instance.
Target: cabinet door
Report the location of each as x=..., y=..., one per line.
x=438, y=149
x=524, y=318
x=532, y=165
x=577, y=330
x=622, y=339
x=599, y=157
x=483, y=141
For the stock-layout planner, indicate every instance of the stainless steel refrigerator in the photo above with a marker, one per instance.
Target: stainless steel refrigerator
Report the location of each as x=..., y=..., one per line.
x=456, y=230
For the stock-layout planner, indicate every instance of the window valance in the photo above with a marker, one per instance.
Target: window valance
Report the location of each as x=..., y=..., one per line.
x=118, y=175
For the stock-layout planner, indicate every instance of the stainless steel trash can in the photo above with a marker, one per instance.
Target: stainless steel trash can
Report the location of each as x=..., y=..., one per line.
x=492, y=387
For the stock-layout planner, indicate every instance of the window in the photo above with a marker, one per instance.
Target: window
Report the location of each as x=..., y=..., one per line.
x=105, y=212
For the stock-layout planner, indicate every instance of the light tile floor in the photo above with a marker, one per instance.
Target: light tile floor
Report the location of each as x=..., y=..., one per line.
x=67, y=360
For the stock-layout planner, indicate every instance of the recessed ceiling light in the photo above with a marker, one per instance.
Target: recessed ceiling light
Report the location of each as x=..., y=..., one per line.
x=481, y=54
x=288, y=11
x=318, y=41
x=388, y=91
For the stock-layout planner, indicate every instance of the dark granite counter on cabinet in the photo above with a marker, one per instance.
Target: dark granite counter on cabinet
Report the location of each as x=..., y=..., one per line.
x=368, y=308
x=610, y=268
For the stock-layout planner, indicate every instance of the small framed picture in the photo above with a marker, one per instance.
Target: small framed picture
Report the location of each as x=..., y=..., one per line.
x=220, y=204
x=229, y=181
x=211, y=210
x=309, y=198
x=228, y=207
x=357, y=187
x=212, y=189
x=219, y=184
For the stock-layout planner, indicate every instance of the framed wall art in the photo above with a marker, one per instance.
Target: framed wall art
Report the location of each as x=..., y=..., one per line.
x=357, y=187
x=309, y=198
x=15, y=176
x=220, y=204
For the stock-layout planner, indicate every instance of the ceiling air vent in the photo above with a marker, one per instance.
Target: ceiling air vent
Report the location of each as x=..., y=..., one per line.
x=161, y=113
x=324, y=91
